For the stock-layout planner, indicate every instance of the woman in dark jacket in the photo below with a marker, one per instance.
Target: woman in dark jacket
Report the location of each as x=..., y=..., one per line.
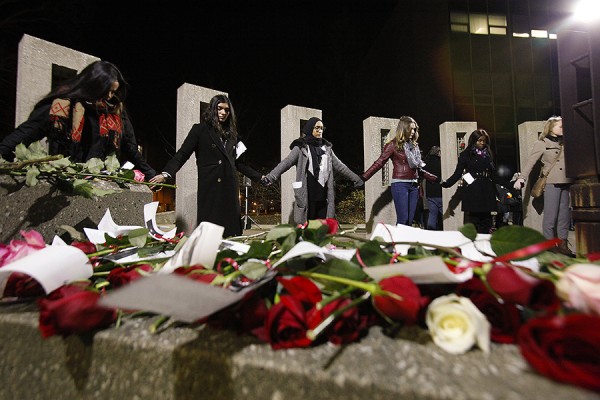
x=404, y=152
x=215, y=144
x=83, y=118
x=476, y=167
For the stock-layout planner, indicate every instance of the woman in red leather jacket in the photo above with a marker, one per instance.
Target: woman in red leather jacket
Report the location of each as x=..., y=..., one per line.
x=404, y=152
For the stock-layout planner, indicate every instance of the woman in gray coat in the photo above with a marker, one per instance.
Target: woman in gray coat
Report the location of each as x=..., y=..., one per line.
x=557, y=213
x=315, y=162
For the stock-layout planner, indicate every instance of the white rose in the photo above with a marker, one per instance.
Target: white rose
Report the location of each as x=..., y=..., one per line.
x=456, y=325
x=580, y=287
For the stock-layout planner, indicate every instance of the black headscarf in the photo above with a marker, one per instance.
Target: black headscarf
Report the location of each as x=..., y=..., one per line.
x=314, y=143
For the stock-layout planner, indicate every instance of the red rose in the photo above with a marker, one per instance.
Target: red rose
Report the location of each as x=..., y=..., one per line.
x=332, y=225
x=564, y=348
x=243, y=317
x=72, y=309
x=86, y=247
x=197, y=273
x=515, y=286
x=346, y=328
x=505, y=318
x=303, y=289
x=123, y=275
x=22, y=285
x=286, y=325
x=407, y=307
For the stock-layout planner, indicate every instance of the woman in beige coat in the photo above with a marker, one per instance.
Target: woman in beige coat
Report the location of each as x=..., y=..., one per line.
x=557, y=212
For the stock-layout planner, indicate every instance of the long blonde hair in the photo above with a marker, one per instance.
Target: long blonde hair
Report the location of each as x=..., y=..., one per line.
x=548, y=126
x=404, y=131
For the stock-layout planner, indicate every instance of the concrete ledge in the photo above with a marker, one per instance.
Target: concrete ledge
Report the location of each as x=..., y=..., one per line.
x=182, y=363
x=45, y=208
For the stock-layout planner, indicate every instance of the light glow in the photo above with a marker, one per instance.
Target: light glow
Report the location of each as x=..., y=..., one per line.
x=587, y=10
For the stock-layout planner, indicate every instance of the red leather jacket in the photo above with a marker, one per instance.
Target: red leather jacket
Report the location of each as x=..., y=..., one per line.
x=401, y=168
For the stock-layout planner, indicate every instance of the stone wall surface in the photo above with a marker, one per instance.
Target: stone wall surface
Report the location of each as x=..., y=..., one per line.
x=45, y=208
x=183, y=363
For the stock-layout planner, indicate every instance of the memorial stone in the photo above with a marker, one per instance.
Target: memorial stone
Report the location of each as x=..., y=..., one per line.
x=292, y=118
x=379, y=205
x=532, y=207
x=451, y=135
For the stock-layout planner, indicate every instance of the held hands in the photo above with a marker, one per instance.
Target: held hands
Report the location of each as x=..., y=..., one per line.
x=519, y=183
x=157, y=179
x=265, y=181
x=445, y=184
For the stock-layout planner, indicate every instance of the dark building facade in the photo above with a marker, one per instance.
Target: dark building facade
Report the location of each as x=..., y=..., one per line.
x=504, y=66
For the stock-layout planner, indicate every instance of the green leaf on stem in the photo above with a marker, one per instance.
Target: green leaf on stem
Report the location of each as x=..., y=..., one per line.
x=37, y=150
x=22, y=153
x=61, y=163
x=94, y=165
x=112, y=163
x=138, y=237
x=253, y=269
x=340, y=268
x=280, y=233
x=513, y=237
x=32, y=174
x=469, y=231
x=370, y=254
x=260, y=250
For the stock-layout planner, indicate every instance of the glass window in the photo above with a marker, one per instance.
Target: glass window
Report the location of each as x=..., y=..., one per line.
x=478, y=24
x=494, y=30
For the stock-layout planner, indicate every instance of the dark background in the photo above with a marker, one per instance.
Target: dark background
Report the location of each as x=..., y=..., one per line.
x=264, y=54
x=352, y=59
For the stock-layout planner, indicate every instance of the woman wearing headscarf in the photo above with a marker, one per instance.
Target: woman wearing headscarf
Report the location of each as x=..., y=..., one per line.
x=315, y=162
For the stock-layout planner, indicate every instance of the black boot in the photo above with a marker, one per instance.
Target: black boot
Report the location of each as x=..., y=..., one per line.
x=563, y=248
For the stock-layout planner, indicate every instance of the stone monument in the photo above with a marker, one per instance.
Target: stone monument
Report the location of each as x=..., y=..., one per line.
x=292, y=120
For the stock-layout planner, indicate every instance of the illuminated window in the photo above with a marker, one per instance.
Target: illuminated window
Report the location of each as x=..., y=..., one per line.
x=524, y=34
x=459, y=22
x=552, y=36
x=497, y=24
x=539, y=33
x=478, y=24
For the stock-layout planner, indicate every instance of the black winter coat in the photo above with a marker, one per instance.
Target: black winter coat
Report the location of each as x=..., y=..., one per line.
x=39, y=126
x=479, y=196
x=218, y=185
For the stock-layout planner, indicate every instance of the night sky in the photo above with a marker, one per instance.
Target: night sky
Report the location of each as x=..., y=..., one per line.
x=265, y=54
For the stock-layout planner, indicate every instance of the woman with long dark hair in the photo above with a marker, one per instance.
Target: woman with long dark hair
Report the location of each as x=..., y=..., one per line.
x=215, y=143
x=83, y=118
x=476, y=168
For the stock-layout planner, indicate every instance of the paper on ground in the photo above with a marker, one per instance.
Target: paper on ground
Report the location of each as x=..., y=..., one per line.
x=107, y=225
x=176, y=296
x=422, y=271
x=323, y=253
x=150, y=210
x=475, y=251
x=52, y=267
x=200, y=248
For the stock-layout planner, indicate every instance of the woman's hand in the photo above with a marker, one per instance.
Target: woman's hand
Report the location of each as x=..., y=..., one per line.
x=157, y=179
x=519, y=183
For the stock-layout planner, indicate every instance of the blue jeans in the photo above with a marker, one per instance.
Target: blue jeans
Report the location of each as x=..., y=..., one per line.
x=405, y=195
x=435, y=210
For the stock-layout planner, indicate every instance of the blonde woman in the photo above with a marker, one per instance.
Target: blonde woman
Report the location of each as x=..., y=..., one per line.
x=404, y=152
x=557, y=214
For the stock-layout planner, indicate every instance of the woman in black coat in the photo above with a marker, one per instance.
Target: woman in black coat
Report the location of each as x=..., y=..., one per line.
x=216, y=145
x=476, y=167
x=83, y=118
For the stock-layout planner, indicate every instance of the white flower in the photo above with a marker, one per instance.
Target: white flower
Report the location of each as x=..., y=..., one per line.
x=580, y=286
x=456, y=325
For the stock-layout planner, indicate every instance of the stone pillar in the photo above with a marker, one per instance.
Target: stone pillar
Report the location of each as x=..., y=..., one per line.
x=292, y=120
x=451, y=134
x=37, y=58
x=191, y=100
x=379, y=206
x=532, y=208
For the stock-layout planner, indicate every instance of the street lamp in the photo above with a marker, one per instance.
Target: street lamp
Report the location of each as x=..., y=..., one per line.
x=587, y=11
